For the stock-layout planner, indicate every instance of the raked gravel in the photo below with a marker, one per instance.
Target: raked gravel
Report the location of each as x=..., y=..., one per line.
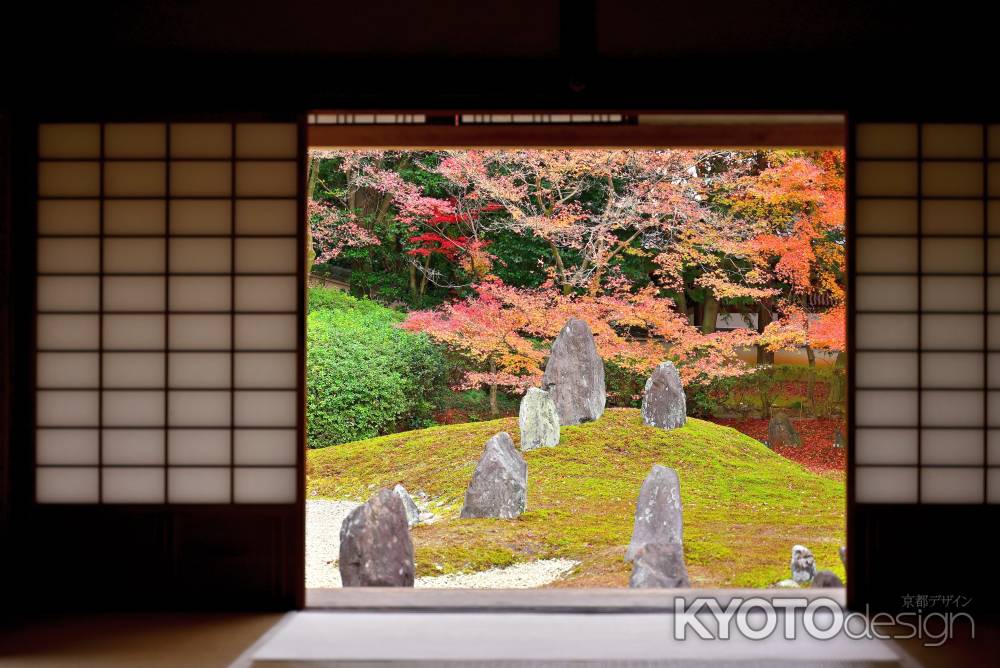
x=323, y=519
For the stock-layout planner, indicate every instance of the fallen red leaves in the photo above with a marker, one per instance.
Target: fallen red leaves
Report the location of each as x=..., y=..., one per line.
x=817, y=452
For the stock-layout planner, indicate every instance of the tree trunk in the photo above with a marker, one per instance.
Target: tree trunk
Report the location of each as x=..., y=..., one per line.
x=811, y=381
x=710, y=313
x=494, y=410
x=312, y=181
x=414, y=295
x=763, y=320
x=423, y=279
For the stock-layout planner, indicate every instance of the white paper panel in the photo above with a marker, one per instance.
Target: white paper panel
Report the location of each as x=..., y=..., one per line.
x=886, y=369
x=199, y=293
x=133, y=332
x=196, y=216
x=993, y=215
x=267, y=140
x=266, y=446
x=127, y=370
x=877, y=408
x=877, y=331
x=197, y=256
x=199, y=332
x=886, y=216
x=265, y=409
x=993, y=332
x=886, y=293
x=993, y=293
x=66, y=446
x=125, y=256
x=133, y=485
x=134, y=293
x=952, y=446
x=952, y=179
x=951, y=409
x=201, y=179
x=134, y=446
x=993, y=408
x=993, y=478
x=886, y=254
x=69, y=179
x=69, y=256
x=267, y=179
x=885, y=484
x=69, y=217
x=67, y=485
x=894, y=179
x=133, y=408
x=67, y=370
x=267, y=370
x=138, y=216
x=135, y=140
x=201, y=140
x=67, y=332
x=69, y=140
x=134, y=179
x=68, y=293
x=993, y=447
x=952, y=293
x=943, y=217
x=207, y=370
x=886, y=140
x=265, y=485
x=267, y=216
x=199, y=485
x=949, y=255
x=199, y=446
x=885, y=446
x=951, y=485
x=994, y=179
x=77, y=408
x=266, y=332
x=952, y=140
x=266, y=256
x=993, y=255
x=956, y=332
x=993, y=370
x=952, y=370
x=267, y=293
x=199, y=409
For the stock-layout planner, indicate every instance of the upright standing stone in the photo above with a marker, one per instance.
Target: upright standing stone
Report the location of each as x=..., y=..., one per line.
x=412, y=512
x=658, y=515
x=499, y=485
x=375, y=545
x=574, y=375
x=803, y=564
x=826, y=579
x=538, y=420
x=663, y=402
x=781, y=432
x=659, y=565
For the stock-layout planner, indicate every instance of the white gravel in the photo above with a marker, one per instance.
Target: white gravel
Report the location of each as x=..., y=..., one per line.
x=323, y=519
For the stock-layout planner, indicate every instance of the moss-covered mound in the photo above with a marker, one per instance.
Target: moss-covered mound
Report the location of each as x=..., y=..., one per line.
x=744, y=506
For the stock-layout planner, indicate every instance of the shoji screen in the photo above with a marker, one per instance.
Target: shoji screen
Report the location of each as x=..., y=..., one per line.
x=926, y=313
x=168, y=326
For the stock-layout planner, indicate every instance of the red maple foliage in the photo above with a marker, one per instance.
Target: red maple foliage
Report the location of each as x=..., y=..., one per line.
x=817, y=452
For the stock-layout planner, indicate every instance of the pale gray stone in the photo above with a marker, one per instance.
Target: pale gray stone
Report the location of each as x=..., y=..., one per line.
x=658, y=514
x=499, y=485
x=843, y=555
x=574, y=375
x=781, y=432
x=803, y=564
x=663, y=402
x=412, y=512
x=375, y=545
x=659, y=565
x=538, y=420
x=787, y=584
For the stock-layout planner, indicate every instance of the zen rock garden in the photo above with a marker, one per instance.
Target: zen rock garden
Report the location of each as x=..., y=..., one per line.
x=376, y=548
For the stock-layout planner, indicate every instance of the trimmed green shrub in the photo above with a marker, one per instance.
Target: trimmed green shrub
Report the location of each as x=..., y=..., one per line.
x=365, y=376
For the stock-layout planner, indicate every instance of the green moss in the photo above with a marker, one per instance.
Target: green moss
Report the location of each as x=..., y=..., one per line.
x=744, y=505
